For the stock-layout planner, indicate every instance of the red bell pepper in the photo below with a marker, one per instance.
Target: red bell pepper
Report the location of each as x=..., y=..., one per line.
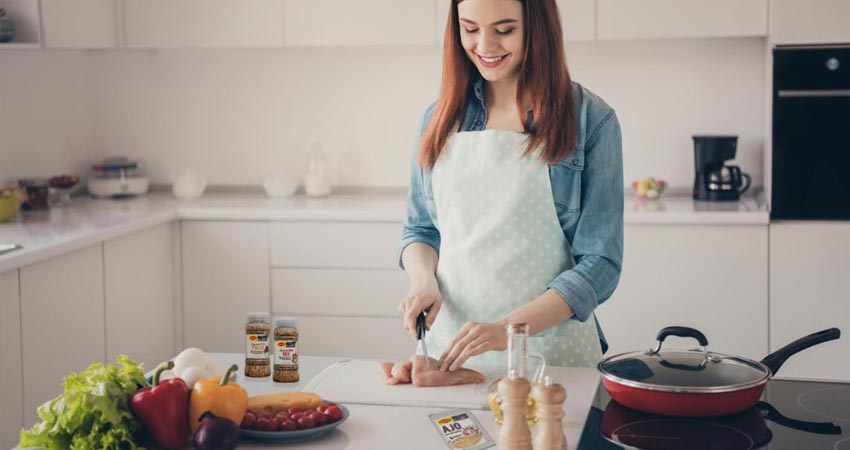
x=163, y=409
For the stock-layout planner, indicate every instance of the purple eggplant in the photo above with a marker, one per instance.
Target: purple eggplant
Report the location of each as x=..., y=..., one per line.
x=216, y=433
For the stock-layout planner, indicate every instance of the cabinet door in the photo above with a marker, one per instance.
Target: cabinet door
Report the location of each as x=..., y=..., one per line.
x=578, y=19
x=809, y=22
x=203, y=23
x=660, y=19
x=712, y=278
x=79, y=24
x=62, y=322
x=809, y=289
x=357, y=245
x=355, y=337
x=11, y=414
x=139, y=303
x=225, y=275
x=361, y=22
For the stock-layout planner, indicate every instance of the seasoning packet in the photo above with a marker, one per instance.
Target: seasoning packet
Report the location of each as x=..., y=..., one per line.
x=460, y=430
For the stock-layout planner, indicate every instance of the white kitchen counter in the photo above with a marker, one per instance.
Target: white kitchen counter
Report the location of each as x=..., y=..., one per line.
x=87, y=221
x=372, y=427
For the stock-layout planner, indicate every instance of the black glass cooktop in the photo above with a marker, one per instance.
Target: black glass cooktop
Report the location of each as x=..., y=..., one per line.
x=792, y=415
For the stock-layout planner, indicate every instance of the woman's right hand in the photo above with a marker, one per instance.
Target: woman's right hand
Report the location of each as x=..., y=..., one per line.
x=423, y=296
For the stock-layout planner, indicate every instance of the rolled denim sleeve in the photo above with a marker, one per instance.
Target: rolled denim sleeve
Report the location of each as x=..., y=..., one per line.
x=419, y=226
x=597, y=235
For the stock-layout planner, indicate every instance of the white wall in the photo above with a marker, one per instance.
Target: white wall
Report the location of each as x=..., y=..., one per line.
x=46, y=114
x=238, y=115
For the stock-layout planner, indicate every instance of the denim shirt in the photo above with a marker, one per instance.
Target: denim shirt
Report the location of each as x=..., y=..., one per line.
x=587, y=188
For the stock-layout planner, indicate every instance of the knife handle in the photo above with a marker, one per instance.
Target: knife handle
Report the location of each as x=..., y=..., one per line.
x=420, y=326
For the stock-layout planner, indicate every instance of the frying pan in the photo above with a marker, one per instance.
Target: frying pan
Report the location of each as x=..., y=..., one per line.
x=695, y=383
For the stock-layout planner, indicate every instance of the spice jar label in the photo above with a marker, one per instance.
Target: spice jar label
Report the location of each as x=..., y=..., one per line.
x=258, y=347
x=286, y=353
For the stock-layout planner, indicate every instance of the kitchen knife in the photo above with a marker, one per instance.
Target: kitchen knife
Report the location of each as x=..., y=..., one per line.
x=420, y=337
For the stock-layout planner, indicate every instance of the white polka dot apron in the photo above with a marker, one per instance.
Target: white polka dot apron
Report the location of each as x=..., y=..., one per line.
x=501, y=244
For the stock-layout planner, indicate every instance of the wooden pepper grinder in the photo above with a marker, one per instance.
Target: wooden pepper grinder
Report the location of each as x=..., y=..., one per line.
x=549, y=398
x=515, y=433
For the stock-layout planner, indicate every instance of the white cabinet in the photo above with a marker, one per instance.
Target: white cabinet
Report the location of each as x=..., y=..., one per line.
x=578, y=19
x=375, y=293
x=360, y=245
x=342, y=282
x=139, y=303
x=358, y=23
x=27, y=17
x=671, y=19
x=225, y=275
x=62, y=322
x=80, y=23
x=11, y=385
x=712, y=278
x=203, y=23
x=810, y=291
x=809, y=21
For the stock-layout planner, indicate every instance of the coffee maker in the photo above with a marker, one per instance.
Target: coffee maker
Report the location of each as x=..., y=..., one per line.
x=714, y=180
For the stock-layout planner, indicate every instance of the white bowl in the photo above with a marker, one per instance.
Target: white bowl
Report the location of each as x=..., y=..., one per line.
x=280, y=186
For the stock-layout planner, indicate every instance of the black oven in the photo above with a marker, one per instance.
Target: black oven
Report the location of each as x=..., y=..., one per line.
x=811, y=133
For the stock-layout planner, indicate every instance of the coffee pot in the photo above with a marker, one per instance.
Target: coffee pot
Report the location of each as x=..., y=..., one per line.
x=714, y=180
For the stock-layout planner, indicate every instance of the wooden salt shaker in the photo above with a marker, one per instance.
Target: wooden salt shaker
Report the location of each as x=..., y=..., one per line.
x=549, y=398
x=515, y=433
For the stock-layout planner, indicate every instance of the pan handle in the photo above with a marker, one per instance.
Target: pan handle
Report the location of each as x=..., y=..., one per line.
x=775, y=360
x=770, y=413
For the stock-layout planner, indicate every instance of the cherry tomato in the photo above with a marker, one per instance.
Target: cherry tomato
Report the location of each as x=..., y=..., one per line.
x=279, y=421
x=306, y=422
x=289, y=425
x=322, y=408
x=265, y=424
x=265, y=416
x=319, y=418
x=297, y=416
x=281, y=415
x=295, y=410
x=333, y=413
x=249, y=420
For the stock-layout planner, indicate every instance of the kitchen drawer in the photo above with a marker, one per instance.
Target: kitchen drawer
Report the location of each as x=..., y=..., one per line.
x=354, y=337
x=338, y=291
x=370, y=245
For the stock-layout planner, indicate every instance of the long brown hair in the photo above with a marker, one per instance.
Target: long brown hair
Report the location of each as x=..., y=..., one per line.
x=543, y=79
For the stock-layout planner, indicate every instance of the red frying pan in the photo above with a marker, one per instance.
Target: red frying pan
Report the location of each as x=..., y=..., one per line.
x=695, y=383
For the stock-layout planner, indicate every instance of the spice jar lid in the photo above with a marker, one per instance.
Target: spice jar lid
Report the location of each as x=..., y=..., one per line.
x=285, y=322
x=257, y=317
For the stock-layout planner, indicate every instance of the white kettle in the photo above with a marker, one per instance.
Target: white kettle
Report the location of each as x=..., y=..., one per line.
x=189, y=185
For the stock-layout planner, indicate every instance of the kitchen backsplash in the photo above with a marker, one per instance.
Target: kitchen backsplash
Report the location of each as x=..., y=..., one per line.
x=238, y=116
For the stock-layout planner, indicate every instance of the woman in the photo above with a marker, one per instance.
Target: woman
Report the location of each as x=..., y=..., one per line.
x=515, y=210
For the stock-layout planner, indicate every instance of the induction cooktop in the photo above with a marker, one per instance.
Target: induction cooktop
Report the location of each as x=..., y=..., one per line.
x=791, y=415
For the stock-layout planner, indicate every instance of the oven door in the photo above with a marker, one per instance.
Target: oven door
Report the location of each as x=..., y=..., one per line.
x=811, y=136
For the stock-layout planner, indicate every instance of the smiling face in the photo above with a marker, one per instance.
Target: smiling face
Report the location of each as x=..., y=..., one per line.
x=491, y=33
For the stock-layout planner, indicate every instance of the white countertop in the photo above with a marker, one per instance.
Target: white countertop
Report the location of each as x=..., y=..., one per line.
x=372, y=427
x=44, y=234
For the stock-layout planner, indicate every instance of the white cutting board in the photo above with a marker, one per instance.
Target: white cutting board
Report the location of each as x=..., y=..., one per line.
x=360, y=382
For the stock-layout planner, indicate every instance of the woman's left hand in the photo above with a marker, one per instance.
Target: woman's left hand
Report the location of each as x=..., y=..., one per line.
x=473, y=339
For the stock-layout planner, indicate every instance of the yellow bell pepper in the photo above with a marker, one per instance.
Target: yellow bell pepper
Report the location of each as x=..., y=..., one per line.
x=223, y=398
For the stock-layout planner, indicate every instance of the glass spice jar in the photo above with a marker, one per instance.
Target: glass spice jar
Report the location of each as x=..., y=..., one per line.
x=285, y=350
x=257, y=331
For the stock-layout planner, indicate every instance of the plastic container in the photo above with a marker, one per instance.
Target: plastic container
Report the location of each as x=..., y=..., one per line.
x=286, y=350
x=257, y=332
